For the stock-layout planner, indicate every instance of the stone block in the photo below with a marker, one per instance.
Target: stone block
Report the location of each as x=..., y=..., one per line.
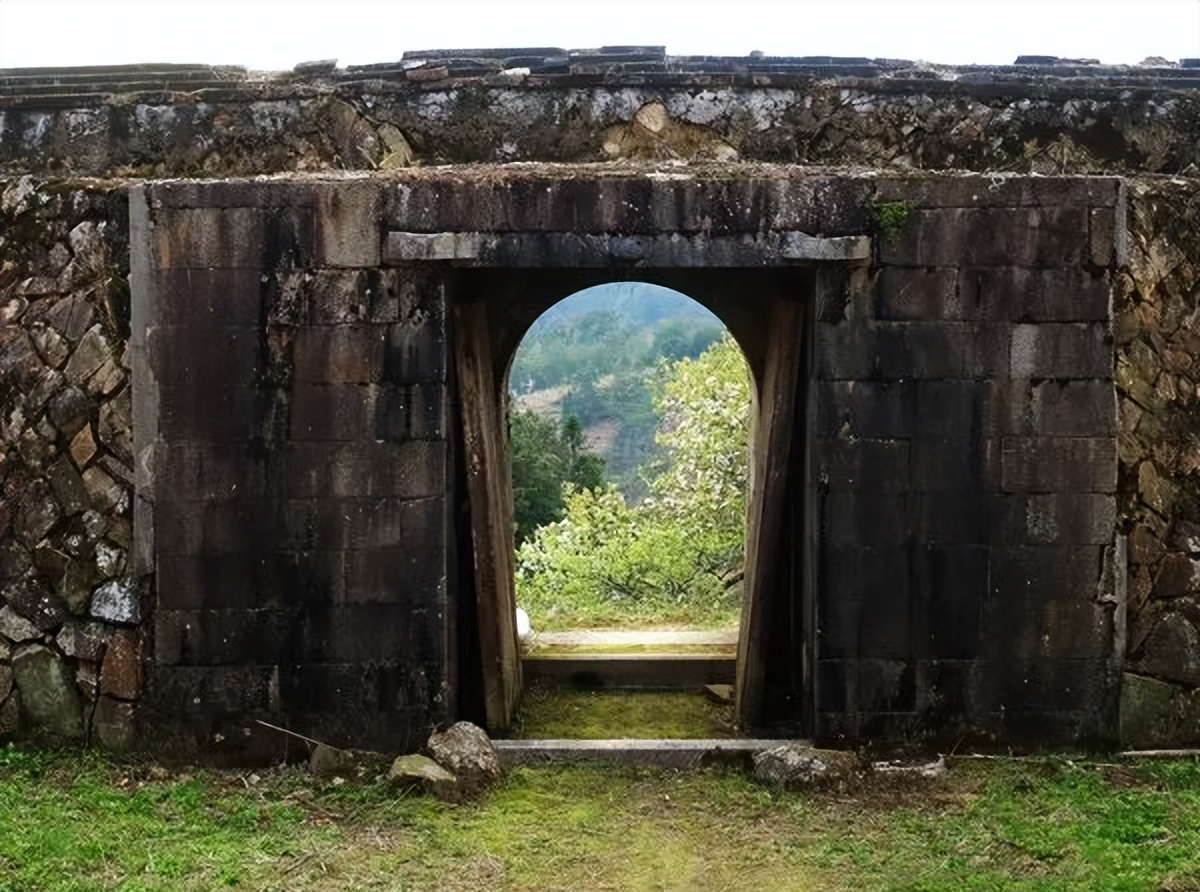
x=1021, y=294
x=1061, y=350
x=347, y=218
x=10, y=715
x=121, y=668
x=863, y=588
x=871, y=466
x=1054, y=237
x=113, y=725
x=962, y=517
x=917, y=293
x=6, y=681
x=197, y=412
x=413, y=469
x=68, y=487
x=228, y=636
x=411, y=412
x=212, y=298
x=416, y=348
x=1178, y=575
x=84, y=640
x=955, y=465
x=16, y=628
x=1156, y=714
x=866, y=409
x=83, y=447
x=333, y=412
x=1171, y=651
x=951, y=594
x=206, y=357
x=1058, y=464
x=48, y=695
x=91, y=353
x=339, y=354
x=847, y=518
x=69, y=410
x=1069, y=519
x=1073, y=408
x=104, y=493
x=118, y=601
x=1102, y=237
x=34, y=602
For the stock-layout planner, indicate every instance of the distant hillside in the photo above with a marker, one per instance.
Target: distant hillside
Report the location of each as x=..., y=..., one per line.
x=593, y=355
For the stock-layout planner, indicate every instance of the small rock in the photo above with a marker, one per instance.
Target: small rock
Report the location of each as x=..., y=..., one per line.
x=71, y=317
x=14, y=560
x=719, y=693
x=48, y=694
x=105, y=493
x=92, y=352
x=466, y=751
x=118, y=601
x=83, y=447
x=83, y=640
x=50, y=345
x=418, y=770
x=37, y=515
x=68, y=487
x=1171, y=651
x=792, y=765
x=110, y=559
x=329, y=761
x=69, y=410
x=17, y=628
x=33, y=602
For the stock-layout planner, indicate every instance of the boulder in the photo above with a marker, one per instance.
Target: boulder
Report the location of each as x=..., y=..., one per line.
x=416, y=770
x=466, y=751
x=16, y=628
x=48, y=694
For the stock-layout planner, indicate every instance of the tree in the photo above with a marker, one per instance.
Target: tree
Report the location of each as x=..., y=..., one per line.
x=668, y=558
x=544, y=457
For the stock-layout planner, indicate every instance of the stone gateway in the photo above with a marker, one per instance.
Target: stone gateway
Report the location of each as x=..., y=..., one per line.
x=256, y=333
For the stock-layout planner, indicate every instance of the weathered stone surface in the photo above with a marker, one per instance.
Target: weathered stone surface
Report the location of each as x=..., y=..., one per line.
x=1157, y=714
x=466, y=751
x=6, y=678
x=14, y=560
x=69, y=410
x=38, y=514
x=68, y=487
x=93, y=351
x=121, y=670
x=1171, y=651
x=116, y=426
x=48, y=694
x=417, y=770
x=118, y=601
x=83, y=640
x=17, y=628
x=30, y=600
x=10, y=715
x=104, y=492
x=1177, y=575
x=50, y=345
x=794, y=766
x=113, y=725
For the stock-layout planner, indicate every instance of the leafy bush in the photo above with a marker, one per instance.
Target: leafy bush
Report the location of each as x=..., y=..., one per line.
x=670, y=558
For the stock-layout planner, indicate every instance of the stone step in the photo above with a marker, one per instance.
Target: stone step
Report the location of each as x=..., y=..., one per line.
x=643, y=670
x=675, y=753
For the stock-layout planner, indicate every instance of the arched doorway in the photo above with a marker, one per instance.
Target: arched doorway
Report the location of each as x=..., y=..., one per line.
x=638, y=400
x=768, y=312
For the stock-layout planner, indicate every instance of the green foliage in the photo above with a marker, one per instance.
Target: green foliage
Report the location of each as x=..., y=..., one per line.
x=544, y=457
x=667, y=559
x=889, y=217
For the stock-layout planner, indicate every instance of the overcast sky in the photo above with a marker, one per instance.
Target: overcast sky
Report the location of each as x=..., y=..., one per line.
x=276, y=34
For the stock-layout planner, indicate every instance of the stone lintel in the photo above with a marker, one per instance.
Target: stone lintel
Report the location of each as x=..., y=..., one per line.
x=565, y=249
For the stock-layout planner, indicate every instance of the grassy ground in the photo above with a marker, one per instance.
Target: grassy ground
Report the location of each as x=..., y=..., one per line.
x=76, y=822
x=567, y=712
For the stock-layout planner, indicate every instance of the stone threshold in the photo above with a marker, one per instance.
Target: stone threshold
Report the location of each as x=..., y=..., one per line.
x=641, y=670
x=661, y=753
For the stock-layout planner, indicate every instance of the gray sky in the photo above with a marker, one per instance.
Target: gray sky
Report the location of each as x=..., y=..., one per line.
x=276, y=34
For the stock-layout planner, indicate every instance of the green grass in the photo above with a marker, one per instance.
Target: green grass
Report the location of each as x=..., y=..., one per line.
x=77, y=822
x=558, y=613
x=588, y=714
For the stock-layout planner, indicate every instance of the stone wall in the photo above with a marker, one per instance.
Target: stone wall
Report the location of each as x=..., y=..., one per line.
x=1158, y=381
x=430, y=110
x=967, y=467
x=70, y=643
